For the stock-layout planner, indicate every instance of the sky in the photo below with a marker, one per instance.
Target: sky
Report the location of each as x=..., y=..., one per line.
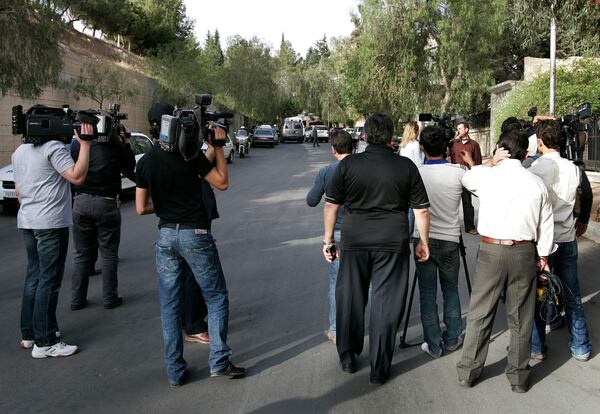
x=302, y=22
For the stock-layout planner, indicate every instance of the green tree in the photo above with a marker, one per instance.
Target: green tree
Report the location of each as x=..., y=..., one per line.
x=101, y=82
x=574, y=85
x=31, y=56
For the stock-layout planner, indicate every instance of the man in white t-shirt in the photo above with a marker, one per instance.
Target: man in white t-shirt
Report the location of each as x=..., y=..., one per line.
x=444, y=188
x=43, y=177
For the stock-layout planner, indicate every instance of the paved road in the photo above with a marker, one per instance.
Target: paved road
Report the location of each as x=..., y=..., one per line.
x=270, y=247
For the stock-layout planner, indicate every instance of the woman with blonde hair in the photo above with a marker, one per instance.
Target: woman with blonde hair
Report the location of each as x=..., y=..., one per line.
x=409, y=148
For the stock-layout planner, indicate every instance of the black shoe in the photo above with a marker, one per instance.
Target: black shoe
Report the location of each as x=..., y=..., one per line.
x=465, y=384
x=111, y=305
x=520, y=389
x=349, y=367
x=78, y=306
x=231, y=371
x=378, y=380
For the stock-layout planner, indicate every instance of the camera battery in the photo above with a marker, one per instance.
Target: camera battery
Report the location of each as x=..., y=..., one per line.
x=168, y=129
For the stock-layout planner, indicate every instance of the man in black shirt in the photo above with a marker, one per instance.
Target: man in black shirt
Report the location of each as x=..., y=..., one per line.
x=97, y=219
x=377, y=188
x=184, y=238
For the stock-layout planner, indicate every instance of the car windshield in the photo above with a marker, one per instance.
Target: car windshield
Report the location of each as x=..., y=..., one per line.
x=297, y=125
x=264, y=132
x=140, y=144
x=322, y=128
x=242, y=133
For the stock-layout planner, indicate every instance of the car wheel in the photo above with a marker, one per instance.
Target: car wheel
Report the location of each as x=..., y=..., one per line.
x=10, y=207
x=271, y=146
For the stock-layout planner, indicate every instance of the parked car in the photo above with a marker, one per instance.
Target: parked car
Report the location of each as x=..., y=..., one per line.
x=228, y=149
x=272, y=127
x=139, y=142
x=264, y=136
x=322, y=133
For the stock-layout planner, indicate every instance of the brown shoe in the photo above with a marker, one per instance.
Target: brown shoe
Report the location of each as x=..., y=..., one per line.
x=538, y=357
x=330, y=336
x=473, y=232
x=201, y=338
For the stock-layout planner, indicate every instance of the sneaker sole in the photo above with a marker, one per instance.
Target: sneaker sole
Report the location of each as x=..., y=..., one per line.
x=198, y=341
x=42, y=356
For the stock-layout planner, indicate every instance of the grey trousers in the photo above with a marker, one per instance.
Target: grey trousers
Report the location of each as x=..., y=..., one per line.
x=96, y=224
x=498, y=265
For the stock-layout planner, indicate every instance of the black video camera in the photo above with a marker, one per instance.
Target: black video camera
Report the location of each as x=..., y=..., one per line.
x=109, y=124
x=444, y=122
x=186, y=129
x=42, y=123
x=571, y=144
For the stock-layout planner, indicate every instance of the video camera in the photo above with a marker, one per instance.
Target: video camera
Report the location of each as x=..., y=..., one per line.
x=42, y=123
x=571, y=144
x=186, y=129
x=445, y=122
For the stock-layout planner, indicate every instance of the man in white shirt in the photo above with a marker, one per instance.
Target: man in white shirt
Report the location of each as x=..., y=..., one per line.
x=515, y=213
x=562, y=179
x=443, y=184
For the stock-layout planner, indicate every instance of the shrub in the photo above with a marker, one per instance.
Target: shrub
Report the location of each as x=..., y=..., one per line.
x=575, y=85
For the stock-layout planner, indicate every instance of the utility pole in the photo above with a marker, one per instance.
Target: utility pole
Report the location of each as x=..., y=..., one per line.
x=552, y=61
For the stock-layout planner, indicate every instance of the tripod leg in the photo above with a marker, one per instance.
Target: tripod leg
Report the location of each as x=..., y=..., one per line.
x=403, y=343
x=463, y=253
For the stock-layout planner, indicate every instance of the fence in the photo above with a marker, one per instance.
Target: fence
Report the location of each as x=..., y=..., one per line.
x=591, y=154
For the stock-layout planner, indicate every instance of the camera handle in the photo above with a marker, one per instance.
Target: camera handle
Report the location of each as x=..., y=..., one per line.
x=463, y=253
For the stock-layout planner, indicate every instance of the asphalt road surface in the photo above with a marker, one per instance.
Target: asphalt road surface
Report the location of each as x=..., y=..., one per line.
x=270, y=245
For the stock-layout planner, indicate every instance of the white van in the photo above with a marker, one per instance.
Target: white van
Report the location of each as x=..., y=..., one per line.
x=292, y=129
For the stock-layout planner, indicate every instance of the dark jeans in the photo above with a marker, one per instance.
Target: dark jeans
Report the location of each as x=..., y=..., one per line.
x=315, y=141
x=564, y=264
x=388, y=273
x=443, y=259
x=174, y=249
x=96, y=225
x=194, y=306
x=46, y=254
x=468, y=210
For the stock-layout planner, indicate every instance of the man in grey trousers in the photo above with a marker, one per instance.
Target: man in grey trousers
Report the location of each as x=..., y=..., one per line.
x=515, y=218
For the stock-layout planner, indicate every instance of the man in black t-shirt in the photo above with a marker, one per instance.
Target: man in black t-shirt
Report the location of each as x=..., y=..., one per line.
x=377, y=188
x=184, y=238
x=97, y=218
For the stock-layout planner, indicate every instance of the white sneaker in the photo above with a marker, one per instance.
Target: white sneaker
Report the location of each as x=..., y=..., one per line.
x=425, y=348
x=26, y=343
x=59, y=349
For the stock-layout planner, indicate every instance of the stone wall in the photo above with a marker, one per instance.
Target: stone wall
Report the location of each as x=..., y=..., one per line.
x=79, y=50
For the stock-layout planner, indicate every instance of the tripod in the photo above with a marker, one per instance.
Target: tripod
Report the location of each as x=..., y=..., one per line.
x=463, y=253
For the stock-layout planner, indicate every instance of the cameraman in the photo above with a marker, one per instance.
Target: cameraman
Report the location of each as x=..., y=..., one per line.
x=172, y=187
x=43, y=174
x=562, y=179
x=442, y=181
x=96, y=216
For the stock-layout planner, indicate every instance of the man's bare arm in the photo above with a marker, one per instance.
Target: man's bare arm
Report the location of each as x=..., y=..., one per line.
x=143, y=204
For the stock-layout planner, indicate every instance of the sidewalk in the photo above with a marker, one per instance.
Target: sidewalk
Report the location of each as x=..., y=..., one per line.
x=593, y=231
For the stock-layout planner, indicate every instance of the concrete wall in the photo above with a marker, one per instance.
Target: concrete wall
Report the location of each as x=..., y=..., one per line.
x=79, y=50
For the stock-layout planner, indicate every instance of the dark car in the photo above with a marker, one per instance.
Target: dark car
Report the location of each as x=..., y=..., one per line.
x=264, y=136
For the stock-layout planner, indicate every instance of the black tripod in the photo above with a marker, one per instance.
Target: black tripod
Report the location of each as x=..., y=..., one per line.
x=463, y=253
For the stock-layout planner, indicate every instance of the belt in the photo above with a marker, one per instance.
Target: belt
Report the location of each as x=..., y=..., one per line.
x=96, y=195
x=490, y=240
x=179, y=226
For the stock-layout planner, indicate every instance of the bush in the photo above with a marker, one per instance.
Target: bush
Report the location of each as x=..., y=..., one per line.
x=575, y=85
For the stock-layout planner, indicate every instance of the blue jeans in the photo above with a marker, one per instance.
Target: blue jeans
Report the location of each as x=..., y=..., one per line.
x=332, y=270
x=444, y=260
x=175, y=248
x=563, y=264
x=46, y=254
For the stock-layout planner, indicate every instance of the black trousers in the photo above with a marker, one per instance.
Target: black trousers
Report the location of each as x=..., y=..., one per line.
x=194, y=307
x=96, y=225
x=468, y=210
x=315, y=141
x=388, y=271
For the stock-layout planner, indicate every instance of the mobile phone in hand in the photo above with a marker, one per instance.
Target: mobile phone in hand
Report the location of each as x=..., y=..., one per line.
x=332, y=250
